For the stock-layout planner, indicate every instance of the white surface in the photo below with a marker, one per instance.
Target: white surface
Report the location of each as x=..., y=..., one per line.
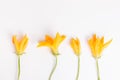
x=74, y=18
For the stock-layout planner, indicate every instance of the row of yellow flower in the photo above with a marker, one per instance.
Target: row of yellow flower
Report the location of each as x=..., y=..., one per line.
x=96, y=45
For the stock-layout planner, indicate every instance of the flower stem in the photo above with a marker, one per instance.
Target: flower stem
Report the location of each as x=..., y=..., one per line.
x=53, y=69
x=78, y=70
x=18, y=67
x=98, y=73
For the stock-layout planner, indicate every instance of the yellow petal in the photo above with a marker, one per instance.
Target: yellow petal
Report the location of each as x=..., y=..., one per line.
x=16, y=43
x=78, y=45
x=107, y=43
x=23, y=40
x=62, y=38
x=92, y=47
x=102, y=40
x=98, y=47
x=101, y=44
x=58, y=39
x=43, y=43
x=25, y=44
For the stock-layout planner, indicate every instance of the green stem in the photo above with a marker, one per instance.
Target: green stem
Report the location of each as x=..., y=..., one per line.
x=18, y=67
x=78, y=70
x=53, y=69
x=98, y=73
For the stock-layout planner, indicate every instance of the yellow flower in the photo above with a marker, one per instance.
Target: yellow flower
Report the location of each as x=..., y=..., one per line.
x=97, y=45
x=75, y=44
x=20, y=45
x=52, y=43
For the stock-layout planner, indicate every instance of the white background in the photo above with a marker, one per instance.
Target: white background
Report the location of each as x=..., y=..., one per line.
x=73, y=18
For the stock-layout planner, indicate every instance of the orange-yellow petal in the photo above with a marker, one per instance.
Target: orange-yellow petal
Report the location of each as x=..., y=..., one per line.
x=62, y=38
x=16, y=43
x=78, y=43
x=94, y=38
x=43, y=43
x=22, y=42
x=58, y=39
x=25, y=44
x=107, y=43
x=49, y=39
x=90, y=42
x=73, y=45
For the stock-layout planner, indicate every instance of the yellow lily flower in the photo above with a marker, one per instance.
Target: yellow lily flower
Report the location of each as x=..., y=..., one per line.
x=97, y=45
x=20, y=45
x=75, y=44
x=52, y=43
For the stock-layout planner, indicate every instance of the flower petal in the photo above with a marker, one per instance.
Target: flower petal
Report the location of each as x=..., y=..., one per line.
x=49, y=39
x=107, y=43
x=58, y=39
x=23, y=40
x=16, y=43
x=43, y=43
x=25, y=44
